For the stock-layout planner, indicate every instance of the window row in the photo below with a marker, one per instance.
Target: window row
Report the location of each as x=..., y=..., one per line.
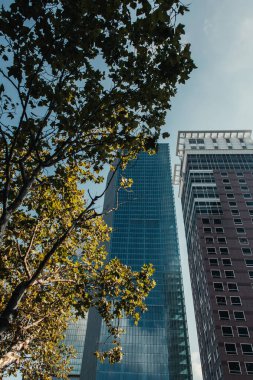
x=242, y=331
x=239, y=230
x=232, y=287
x=228, y=274
x=231, y=348
x=220, y=240
x=225, y=251
x=225, y=174
x=218, y=230
x=235, y=368
x=224, y=315
x=207, y=221
x=242, y=182
x=216, y=273
x=234, y=300
x=225, y=262
x=245, y=195
x=196, y=141
x=212, y=250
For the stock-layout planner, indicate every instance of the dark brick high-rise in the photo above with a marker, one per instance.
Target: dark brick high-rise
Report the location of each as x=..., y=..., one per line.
x=216, y=189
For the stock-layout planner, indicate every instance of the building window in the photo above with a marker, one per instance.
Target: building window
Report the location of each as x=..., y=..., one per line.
x=241, y=180
x=243, y=240
x=230, y=196
x=221, y=300
x=249, y=203
x=211, y=251
x=216, y=273
x=223, y=250
x=227, y=331
x=247, y=349
x=222, y=240
x=239, y=316
x=235, y=212
x=244, y=188
x=228, y=141
x=235, y=301
x=246, y=251
x=217, y=221
x=213, y=262
x=249, y=263
x=228, y=188
x=229, y=274
x=218, y=286
x=243, y=331
x=209, y=240
x=227, y=262
x=251, y=274
x=230, y=348
x=207, y=230
x=240, y=230
x=232, y=287
x=223, y=315
x=247, y=196
x=239, y=174
x=225, y=180
x=249, y=368
x=205, y=221
x=219, y=230
x=234, y=368
x=232, y=204
x=237, y=221
x=251, y=212
x=224, y=174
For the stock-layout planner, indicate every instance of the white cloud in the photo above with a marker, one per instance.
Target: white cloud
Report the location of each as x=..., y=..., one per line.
x=196, y=366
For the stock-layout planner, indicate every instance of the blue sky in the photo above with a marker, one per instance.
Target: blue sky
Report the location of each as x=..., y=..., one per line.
x=219, y=94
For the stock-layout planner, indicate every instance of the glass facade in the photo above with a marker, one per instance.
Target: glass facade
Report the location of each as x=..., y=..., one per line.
x=144, y=231
x=75, y=336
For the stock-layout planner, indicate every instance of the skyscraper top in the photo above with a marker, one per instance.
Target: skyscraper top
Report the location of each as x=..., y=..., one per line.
x=211, y=141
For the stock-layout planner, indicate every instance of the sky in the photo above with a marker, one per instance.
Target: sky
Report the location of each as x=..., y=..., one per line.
x=219, y=95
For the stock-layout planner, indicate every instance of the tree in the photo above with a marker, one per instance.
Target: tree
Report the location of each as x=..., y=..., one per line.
x=62, y=277
x=81, y=86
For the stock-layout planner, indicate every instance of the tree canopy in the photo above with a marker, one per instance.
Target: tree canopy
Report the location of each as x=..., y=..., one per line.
x=81, y=86
x=59, y=276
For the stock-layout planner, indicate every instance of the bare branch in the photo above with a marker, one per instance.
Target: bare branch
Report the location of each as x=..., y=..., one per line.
x=24, y=261
x=33, y=324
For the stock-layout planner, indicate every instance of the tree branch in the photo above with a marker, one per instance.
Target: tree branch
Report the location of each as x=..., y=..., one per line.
x=25, y=263
x=13, y=355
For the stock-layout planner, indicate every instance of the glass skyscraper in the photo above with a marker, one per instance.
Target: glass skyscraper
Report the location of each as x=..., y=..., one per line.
x=144, y=231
